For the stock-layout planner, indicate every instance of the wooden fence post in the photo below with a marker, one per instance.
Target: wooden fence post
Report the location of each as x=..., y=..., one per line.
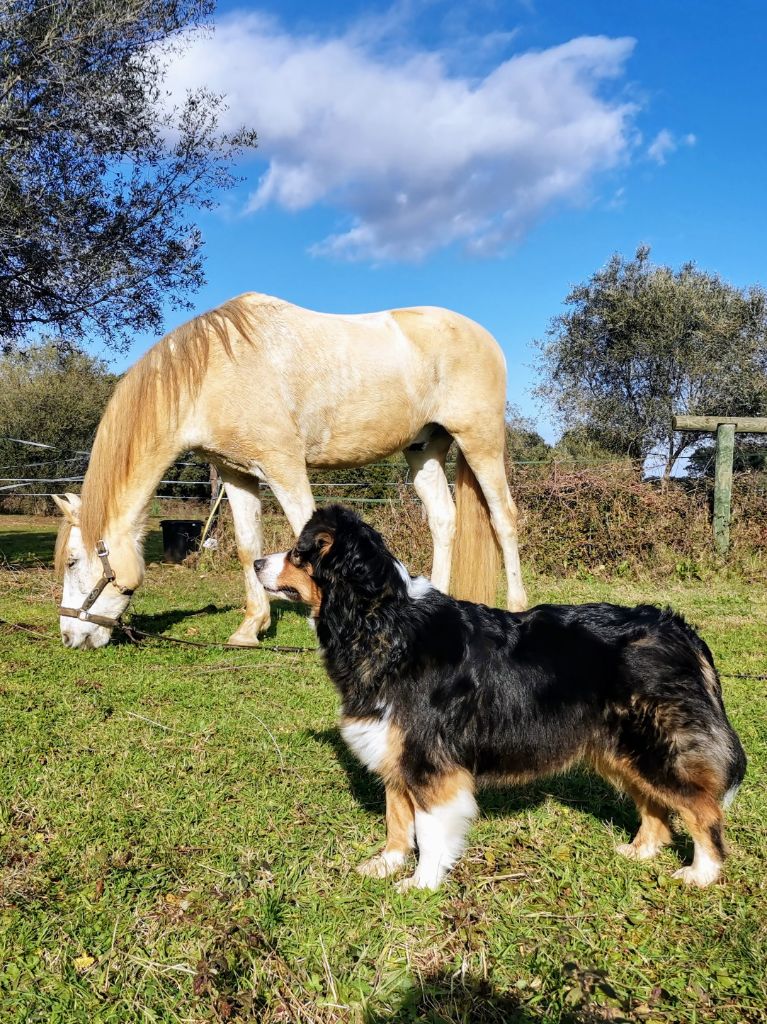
x=725, y=427
x=725, y=447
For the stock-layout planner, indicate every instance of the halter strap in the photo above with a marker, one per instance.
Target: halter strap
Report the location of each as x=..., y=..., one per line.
x=107, y=577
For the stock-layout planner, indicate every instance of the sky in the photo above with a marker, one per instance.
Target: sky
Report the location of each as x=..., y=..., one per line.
x=484, y=155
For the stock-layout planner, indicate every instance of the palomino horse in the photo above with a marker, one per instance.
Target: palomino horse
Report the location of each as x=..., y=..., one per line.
x=262, y=389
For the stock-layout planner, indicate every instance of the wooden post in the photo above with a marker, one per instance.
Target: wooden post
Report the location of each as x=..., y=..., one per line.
x=725, y=428
x=725, y=447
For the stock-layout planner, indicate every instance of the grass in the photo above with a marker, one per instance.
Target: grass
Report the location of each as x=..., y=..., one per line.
x=180, y=828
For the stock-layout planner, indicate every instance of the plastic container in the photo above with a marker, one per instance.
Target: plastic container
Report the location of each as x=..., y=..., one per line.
x=180, y=537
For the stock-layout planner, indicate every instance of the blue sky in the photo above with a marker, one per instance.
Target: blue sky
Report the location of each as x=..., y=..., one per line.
x=484, y=156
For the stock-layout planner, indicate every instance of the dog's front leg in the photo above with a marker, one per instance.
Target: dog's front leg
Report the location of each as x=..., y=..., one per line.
x=443, y=815
x=400, y=836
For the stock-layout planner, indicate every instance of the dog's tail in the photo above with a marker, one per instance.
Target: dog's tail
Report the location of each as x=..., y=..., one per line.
x=476, y=556
x=731, y=756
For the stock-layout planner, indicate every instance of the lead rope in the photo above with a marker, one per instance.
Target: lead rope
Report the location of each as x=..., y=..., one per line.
x=136, y=636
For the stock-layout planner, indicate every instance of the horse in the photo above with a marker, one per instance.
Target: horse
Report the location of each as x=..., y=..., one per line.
x=263, y=389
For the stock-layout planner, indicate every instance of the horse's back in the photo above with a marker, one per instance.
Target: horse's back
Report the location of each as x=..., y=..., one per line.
x=351, y=386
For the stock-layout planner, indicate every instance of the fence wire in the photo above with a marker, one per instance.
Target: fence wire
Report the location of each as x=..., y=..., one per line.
x=31, y=482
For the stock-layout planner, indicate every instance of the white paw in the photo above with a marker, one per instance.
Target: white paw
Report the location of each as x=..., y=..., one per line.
x=416, y=881
x=405, y=884
x=642, y=852
x=382, y=864
x=700, y=876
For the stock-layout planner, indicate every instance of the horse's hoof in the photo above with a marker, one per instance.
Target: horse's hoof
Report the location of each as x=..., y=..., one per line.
x=240, y=640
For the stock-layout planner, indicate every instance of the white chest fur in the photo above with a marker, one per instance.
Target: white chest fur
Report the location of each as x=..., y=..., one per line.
x=368, y=738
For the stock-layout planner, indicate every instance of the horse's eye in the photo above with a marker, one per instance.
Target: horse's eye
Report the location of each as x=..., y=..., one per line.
x=71, y=563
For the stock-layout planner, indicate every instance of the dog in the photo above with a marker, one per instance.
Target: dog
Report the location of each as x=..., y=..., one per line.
x=439, y=695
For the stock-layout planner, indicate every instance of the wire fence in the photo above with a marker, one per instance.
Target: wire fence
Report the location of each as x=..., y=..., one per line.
x=382, y=481
x=576, y=515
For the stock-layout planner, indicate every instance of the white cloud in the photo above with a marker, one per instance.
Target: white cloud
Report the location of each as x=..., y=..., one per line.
x=415, y=156
x=665, y=143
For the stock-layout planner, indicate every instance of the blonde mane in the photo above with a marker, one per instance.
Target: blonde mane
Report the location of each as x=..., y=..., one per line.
x=148, y=396
x=62, y=543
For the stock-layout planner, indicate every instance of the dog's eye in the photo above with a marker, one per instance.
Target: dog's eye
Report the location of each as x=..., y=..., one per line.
x=294, y=558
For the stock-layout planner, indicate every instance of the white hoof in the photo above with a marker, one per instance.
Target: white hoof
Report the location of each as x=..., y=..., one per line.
x=382, y=865
x=242, y=640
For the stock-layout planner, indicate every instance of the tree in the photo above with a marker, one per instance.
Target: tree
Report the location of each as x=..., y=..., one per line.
x=749, y=456
x=523, y=442
x=589, y=445
x=641, y=342
x=98, y=172
x=55, y=399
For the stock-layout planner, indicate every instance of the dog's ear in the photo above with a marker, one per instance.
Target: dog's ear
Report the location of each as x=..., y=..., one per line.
x=324, y=541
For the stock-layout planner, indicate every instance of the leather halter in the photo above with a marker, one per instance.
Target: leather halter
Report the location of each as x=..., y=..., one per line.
x=107, y=577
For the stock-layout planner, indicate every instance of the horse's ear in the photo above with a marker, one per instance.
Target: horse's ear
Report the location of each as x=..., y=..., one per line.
x=69, y=506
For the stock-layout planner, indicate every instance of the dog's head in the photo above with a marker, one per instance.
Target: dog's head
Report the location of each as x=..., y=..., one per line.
x=336, y=549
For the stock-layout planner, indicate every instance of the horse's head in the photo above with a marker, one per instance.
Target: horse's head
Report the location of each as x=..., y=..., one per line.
x=98, y=579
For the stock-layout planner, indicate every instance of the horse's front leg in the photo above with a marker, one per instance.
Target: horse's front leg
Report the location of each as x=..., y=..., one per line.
x=245, y=503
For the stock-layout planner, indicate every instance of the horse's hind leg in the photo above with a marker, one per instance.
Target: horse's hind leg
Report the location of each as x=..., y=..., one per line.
x=245, y=503
x=486, y=462
x=431, y=486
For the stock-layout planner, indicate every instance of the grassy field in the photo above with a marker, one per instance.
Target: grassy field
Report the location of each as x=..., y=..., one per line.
x=180, y=828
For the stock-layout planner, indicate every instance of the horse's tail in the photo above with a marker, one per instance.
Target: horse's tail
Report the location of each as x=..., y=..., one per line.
x=476, y=558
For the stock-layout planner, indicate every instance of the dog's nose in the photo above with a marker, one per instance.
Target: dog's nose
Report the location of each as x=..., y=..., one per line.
x=259, y=564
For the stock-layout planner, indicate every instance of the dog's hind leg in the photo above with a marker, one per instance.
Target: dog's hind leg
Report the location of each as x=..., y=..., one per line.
x=654, y=832
x=703, y=817
x=400, y=836
x=443, y=813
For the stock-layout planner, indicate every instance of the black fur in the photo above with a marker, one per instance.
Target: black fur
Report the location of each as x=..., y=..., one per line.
x=517, y=695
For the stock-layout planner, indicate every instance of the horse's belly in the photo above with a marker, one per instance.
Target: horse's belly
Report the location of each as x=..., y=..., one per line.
x=372, y=434
x=366, y=416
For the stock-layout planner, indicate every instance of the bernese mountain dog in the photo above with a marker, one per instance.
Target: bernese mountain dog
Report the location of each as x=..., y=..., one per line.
x=439, y=695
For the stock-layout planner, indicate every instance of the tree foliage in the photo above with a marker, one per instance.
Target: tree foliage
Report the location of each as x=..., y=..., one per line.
x=55, y=399
x=749, y=456
x=98, y=171
x=588, y=444
x=640, y=342
x=523, y=442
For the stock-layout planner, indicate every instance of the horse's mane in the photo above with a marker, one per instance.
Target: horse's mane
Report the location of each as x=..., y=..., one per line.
x=60, y=550
x=149, y=395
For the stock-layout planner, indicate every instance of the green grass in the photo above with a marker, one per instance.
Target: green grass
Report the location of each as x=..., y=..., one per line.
x=180, y=829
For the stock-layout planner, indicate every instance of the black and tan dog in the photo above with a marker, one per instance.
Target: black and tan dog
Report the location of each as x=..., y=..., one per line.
x=439, y=694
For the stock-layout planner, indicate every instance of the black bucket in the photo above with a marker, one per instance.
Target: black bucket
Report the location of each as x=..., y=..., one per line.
x=180, y=537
